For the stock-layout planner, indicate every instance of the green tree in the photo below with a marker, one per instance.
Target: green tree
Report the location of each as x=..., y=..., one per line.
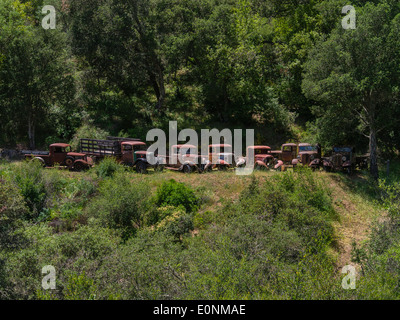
x=35, y=72
x=355, y=72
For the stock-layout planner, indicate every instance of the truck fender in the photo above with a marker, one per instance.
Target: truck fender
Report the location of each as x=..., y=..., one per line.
x=261, y=164
x=241, y=162
x=222, y=162
x=346, y=164
x=40, y=159
x=208, y=166
x=81, y=164
x=295, y=162
x=315, y=162
x=327, y=163
x=278, y=164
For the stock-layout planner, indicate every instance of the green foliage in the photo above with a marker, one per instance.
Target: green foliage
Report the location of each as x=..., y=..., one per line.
x=88, y=131
x=35, y=73
x=176, y=194
x=108, y=167
x=12, y=211
x=29, y=178
x=121, y=204
x=79, y=287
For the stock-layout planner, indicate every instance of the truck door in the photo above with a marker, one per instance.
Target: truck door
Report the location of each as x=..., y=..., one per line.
x=59, y=154
x=127, y=154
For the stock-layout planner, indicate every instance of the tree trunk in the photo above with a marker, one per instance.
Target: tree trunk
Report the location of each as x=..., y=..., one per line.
x=31, y=133
x=373, y=154
x=161, y=98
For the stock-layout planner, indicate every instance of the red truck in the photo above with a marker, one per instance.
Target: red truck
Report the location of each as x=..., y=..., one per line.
x=263, y=158
x=187, y=159
x=220, y=156
x=61, y=154
x=128, y=151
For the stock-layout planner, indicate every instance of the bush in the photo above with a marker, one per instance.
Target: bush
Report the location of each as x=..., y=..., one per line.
x=121, y=204
x=172, y=193
x=30, y=180
x=108, y=167
x=175, y=222
x=12, y=211
x=76, y=256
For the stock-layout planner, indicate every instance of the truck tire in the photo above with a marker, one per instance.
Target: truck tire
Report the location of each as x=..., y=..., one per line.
x=222, y=167
x=69, y=161
x=187, y=168
x=79, y=166
x=141, y=167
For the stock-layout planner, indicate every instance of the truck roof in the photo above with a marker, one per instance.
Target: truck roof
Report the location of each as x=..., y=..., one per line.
x=219, y=145
x=133, y=143
x=62, y=145
x=259, y=147
x=179, y=146
x=290, y=144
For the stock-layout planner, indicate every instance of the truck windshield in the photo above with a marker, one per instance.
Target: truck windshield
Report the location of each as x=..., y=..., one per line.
x=221, y=150
x=306, y=148
x=343, y=149
x=140, y=148
x=261, y=151
x=187, y=151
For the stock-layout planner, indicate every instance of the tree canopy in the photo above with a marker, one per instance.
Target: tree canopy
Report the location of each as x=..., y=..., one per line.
x=285, y=68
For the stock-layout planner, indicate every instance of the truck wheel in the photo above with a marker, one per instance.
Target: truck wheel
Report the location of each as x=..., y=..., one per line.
x=79, y=167
x=141, y=167
x=222, y=167
x=40, y=160
x=187, y=168
x=327, y=169
x=69, y=161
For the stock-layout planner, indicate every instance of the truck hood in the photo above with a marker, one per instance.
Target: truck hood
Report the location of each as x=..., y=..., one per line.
x=75, y=154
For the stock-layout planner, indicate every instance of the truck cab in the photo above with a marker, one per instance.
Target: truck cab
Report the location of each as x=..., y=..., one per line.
x=342, y=159
x=132, y=151
x=287, y=153
x=308, y=155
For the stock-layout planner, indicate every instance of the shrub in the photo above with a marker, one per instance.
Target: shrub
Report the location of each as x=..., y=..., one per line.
x=175, y=222
x=108, y=167
x=176, y=194
x=12, y=211
x=29, y=178
x=121, y=204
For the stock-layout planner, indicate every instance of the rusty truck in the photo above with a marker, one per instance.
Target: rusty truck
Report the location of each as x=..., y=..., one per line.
x=263, y=158
x=185, y=158
x=308, y=155
x=128, y=151
x=62, y=155
x=221, y=156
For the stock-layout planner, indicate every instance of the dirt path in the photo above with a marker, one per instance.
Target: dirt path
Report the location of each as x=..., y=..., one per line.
x=356, y=215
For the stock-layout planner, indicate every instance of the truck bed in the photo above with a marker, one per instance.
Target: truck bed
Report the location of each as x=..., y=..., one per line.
x=100, y=148
x=35, y=152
